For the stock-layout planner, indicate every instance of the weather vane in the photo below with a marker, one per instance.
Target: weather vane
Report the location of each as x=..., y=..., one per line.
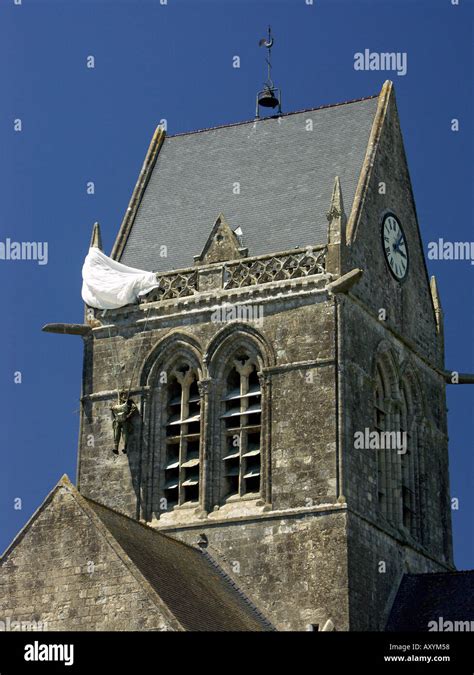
x=269, y=96
x=268, y=43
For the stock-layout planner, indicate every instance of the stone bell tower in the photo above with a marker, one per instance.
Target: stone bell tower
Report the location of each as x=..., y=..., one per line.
x=279, y=330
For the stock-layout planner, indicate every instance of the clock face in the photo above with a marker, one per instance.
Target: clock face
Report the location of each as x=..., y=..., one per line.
x=395, y=247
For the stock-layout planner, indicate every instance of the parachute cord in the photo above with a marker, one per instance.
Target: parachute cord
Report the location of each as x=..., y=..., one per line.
x=138, y=352
x=116, y=359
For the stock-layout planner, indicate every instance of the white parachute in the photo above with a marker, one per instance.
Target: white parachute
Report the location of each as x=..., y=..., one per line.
x=107, y=284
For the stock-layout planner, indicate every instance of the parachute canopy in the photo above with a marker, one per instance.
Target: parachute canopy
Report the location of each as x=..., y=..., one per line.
x=107, y=284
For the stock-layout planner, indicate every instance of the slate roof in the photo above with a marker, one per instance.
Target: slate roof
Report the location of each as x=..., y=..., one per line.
x=286, y=175
x=422, y=598
x=195, y=589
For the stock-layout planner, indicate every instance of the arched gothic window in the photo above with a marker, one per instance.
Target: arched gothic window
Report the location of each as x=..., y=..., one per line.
x=409, y=487
x=182, y=422
x=381, y=424
x=398, y=479
x=241, y=408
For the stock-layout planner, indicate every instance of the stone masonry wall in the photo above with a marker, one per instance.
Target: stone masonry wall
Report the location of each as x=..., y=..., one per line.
x=408, y=332
x=293, y=567
x=362, y=338
x=64, y=574
x=409, y=307
x=299, y=331
x=377, y=562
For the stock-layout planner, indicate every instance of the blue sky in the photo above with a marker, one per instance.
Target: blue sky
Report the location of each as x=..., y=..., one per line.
x=174, y=61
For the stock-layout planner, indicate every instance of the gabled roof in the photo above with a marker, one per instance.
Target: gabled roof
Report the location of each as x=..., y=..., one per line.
x=286, y=172
x=186, y=584
x=435, y=596
x=196, y=590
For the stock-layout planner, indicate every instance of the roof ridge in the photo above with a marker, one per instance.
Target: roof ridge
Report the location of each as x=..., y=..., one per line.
x=272, y=117
x=83, y=503
x=149, y=528
x=64, y=481
x=237, y=589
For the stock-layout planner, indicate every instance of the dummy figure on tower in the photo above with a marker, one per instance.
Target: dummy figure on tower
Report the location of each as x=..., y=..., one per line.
x=122, y=413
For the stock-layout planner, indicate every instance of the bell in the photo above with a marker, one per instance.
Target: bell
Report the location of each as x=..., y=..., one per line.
x=267, y=98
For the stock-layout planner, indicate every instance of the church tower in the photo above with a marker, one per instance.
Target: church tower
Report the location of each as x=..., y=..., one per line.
x=288, y=368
